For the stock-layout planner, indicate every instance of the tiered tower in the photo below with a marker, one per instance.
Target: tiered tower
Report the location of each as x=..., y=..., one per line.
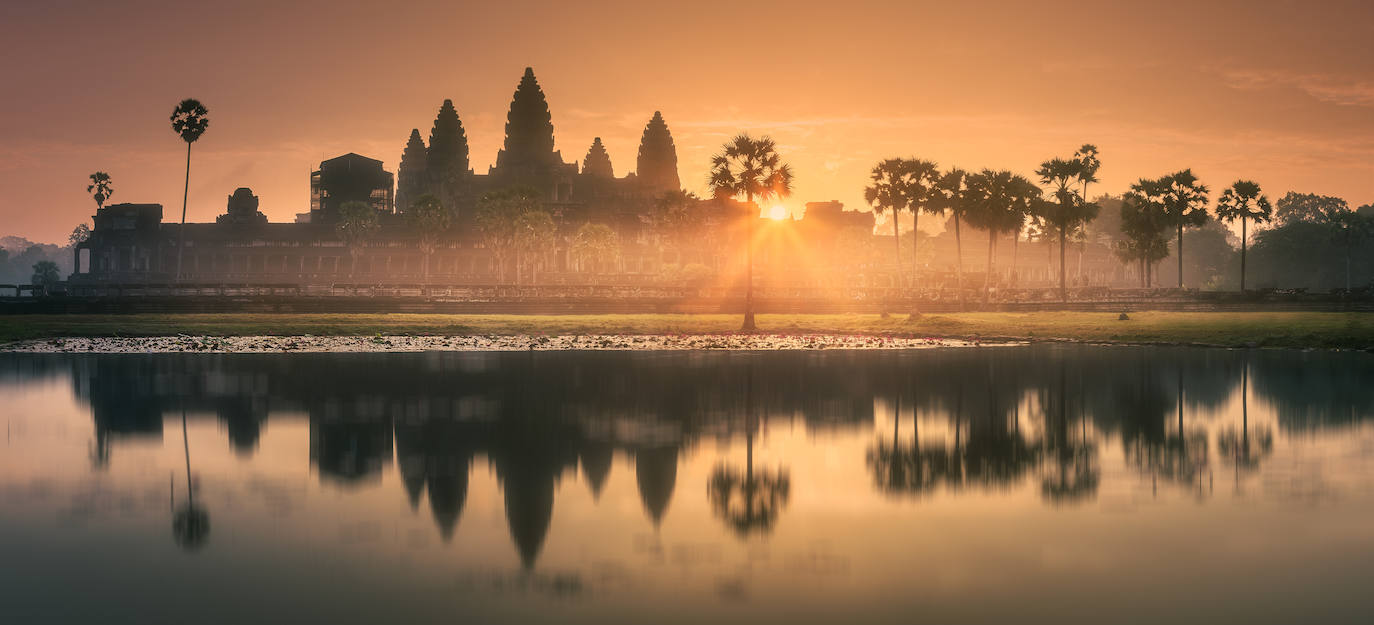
x=657, y=164
x=412, y=176
x=598, y=162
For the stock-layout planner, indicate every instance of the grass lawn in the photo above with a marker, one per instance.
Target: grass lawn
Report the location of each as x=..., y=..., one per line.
x=1277, y=329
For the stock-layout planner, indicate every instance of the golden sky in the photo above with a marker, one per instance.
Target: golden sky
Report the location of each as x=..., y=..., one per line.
x=1278, y=91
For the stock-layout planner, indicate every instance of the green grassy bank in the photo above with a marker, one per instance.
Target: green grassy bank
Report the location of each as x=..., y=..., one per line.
x=1278, y=329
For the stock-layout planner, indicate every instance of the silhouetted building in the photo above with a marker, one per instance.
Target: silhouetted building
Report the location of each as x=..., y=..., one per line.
x=349, y=178
x=130, y=244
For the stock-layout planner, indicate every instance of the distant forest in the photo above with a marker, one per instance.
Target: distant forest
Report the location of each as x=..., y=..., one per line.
x=19, y=255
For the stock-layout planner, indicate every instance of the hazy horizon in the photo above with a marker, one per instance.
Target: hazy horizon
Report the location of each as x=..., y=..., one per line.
x=1279, y=92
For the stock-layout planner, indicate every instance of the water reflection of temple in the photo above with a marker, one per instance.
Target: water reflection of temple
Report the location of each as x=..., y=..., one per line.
x=965, y=419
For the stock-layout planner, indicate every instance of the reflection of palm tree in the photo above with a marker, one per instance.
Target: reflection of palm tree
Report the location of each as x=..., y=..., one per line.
x=748, y=501
x=190, y=524
x=1179, y=458
x=1075, y=474
x=905, y=470
x=1243, y=452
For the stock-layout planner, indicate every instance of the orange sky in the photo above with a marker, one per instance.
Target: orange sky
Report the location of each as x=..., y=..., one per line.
x=1278, y=91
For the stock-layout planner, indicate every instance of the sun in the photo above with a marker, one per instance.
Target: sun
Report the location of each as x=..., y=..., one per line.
x=778, y=212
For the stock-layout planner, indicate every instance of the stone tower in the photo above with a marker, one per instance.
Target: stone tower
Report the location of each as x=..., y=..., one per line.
x=657, y=164
x=412, y=176
x=528, y=151
x=598, y=162
x=447, y=157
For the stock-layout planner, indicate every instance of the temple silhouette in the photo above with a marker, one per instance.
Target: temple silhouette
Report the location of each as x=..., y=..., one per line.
x=130, y=243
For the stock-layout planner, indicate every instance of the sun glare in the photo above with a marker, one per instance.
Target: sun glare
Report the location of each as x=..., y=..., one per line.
x=778, y=212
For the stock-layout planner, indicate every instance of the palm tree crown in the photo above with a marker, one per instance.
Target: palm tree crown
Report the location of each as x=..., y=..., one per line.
x=101, y=188
x=1243, y=201
x=190, y=119
x=750, y=168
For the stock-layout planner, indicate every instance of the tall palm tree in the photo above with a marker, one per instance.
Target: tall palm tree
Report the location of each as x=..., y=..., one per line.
x=1185, y=200
x=923, y=195
x=1000, y=201
x=750, y=168
x=1144, y=221
x=189, y=120
x=888, y=192
x=1069, y=210
x=1243, y=201
x=101, y=188
x=953, y=196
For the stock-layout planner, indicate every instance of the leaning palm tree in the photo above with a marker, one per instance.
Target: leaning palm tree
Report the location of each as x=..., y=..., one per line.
x=1185, y=200
x=189, y=120
x=1243, y=201
x=750, y=168
x=101, y=188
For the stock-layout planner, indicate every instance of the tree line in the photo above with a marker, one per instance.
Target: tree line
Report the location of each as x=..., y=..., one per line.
x=1151, y=218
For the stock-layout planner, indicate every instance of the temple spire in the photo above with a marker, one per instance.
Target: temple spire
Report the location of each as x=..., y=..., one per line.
x=657, y=164
x=598, y=162
x=447, y=161
x=529, y=129
x=412, y=176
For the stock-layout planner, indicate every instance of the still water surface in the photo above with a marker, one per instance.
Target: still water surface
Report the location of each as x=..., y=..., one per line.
x=1027, y=484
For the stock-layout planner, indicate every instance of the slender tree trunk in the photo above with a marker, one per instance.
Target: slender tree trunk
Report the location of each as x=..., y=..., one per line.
x=752, y=216
x=897, y=245
x=181, y=232
x=1242, y=254
x=987, y=278
x=959, y=261
x=1180, y=255
x=1015, y=245
x=1063, y=289
x=915, y=262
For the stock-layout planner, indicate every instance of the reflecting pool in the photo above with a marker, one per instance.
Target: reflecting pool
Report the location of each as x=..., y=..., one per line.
x=1026, y=483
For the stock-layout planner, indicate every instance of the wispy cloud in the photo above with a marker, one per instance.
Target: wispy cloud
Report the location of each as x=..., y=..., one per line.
x=1326, y=88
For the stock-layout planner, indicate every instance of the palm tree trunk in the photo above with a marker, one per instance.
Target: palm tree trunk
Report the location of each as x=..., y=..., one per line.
x=915, y=240
x=987, y=278
x=752, y=216
x=897, y=244
x=1242, y=254
x=1015, y=245
x=1063, y=290
x=185, y=190
x=959, y=261
x=1180, y=255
